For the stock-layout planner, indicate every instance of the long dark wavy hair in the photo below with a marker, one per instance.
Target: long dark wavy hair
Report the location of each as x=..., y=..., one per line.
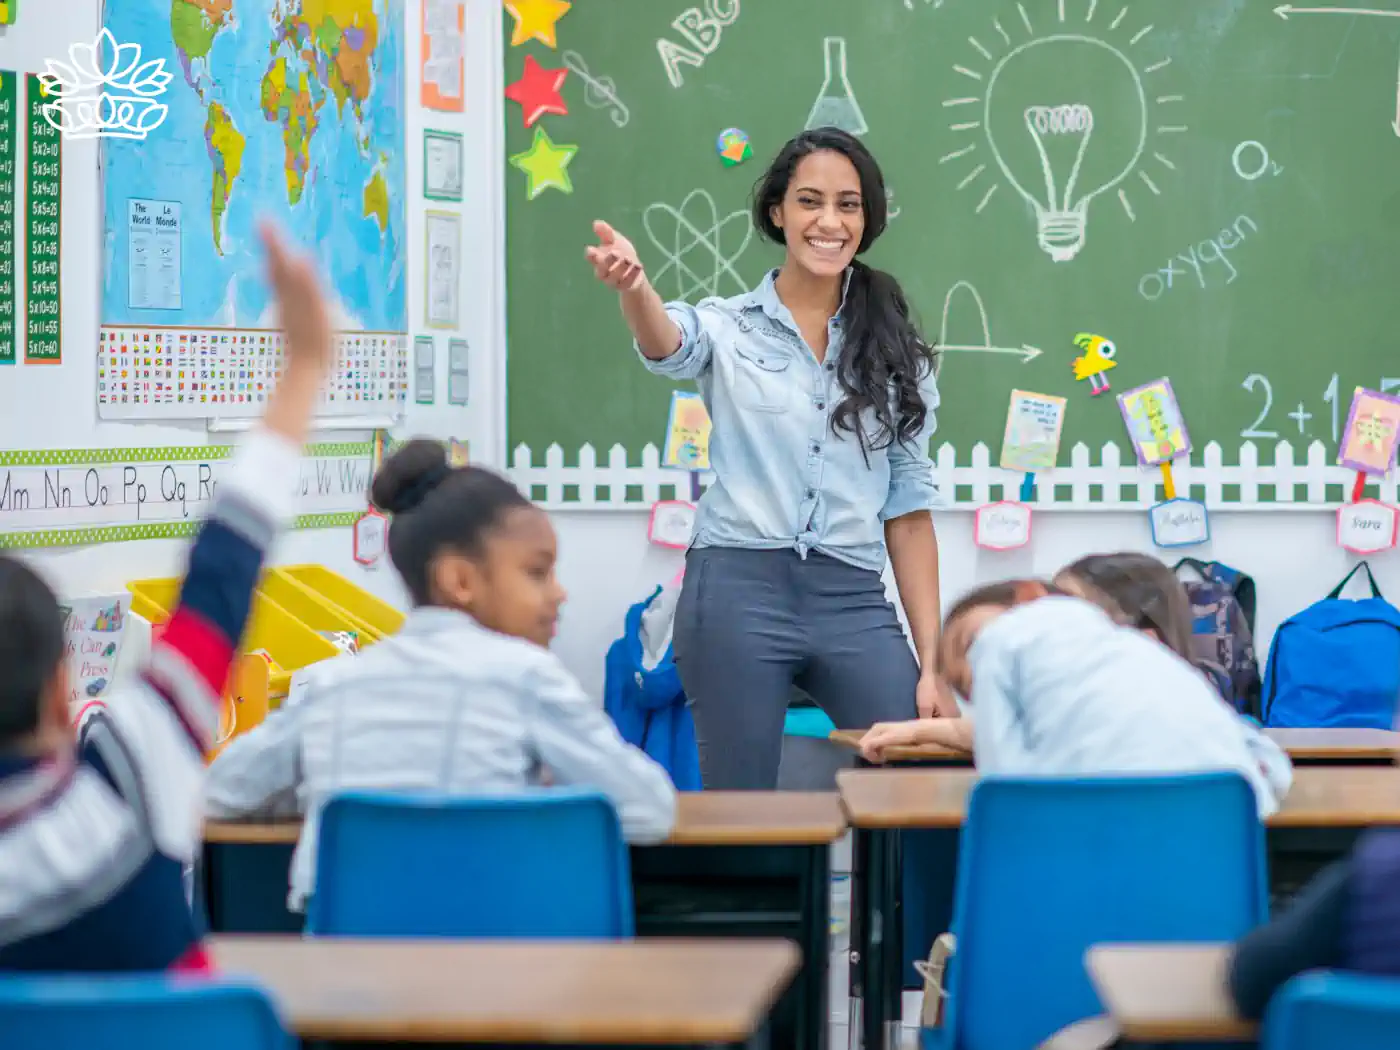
x=885, y=353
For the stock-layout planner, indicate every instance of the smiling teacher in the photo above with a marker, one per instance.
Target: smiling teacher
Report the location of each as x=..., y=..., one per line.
x=822, y=395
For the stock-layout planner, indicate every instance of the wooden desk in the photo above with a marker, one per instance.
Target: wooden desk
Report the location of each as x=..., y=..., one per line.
x=758, y=818
x=920, y=754
x=1307, y=746
x=673, y=993
x=703, y=818
x=1321, y=797
x=737, y=864
x=905, y=798
x=1337, y=746
x=1319, y=819
x=1168, y=993
x=239, y=833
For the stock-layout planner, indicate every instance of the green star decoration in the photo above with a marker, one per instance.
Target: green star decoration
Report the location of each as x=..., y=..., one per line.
x=544, y=165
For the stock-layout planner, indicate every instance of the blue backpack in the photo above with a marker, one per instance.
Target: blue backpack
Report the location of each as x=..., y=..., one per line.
x=1336, y=663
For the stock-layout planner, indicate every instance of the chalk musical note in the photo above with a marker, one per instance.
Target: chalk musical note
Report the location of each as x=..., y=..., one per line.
x=599, y=92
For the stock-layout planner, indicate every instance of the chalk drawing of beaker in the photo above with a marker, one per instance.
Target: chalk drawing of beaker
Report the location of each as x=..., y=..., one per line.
x=836, y=105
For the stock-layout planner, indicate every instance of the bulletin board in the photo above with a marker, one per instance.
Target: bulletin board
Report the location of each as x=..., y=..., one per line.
x=112, y=402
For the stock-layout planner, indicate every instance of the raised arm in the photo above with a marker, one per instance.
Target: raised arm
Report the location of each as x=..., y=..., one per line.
x=169, y=726
x=615, y=263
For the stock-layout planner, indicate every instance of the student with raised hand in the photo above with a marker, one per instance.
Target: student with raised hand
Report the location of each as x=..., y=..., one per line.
x=91, y=869
x=466, y=697
x=822, y=394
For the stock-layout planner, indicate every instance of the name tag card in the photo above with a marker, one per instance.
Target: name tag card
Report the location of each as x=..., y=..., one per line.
x=1179, y=523
x=371, y=538
x=671, y=525
x=1367, y=526
x=1002, y=526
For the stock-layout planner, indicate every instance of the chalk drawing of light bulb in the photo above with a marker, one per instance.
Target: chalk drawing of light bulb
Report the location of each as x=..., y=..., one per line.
x=836, y=105
x=1061, y=152
x=1066, y=118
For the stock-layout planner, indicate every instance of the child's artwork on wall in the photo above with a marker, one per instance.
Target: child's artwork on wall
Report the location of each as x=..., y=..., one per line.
x=1154, y=422
x=1032, y=439
x=687, y=433
x=1373, y=424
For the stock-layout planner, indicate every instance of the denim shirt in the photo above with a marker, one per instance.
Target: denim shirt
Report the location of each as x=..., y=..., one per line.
x=784, y=478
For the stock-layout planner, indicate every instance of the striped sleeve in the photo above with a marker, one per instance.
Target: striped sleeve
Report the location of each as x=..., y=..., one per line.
x=190, y=663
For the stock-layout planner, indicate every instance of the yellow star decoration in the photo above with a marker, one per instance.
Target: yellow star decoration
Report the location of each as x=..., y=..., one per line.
x=543, y=164
x=534, y=19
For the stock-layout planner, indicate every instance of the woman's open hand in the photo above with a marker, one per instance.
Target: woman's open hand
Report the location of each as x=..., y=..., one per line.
x=614, y=259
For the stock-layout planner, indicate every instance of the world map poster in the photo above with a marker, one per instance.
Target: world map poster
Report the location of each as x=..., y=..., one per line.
x=283, y=110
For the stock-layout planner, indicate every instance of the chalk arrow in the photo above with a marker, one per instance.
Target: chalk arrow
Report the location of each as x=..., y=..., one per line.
x=1024, y=352
x=1284, y=10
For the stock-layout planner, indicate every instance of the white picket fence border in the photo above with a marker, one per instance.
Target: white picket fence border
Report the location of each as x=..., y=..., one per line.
x=1105, y=486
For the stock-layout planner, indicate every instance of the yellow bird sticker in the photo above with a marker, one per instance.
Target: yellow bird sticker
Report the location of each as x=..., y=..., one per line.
x=1098, y=357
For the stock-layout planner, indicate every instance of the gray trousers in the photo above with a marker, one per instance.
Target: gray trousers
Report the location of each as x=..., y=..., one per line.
x=752, y=624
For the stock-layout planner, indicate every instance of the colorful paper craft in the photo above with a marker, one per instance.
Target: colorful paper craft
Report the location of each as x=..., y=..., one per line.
x=733, y=146
x=1373, y=425
x=687, y=433
x=537, y=91
x=1155, y=424
x=535, y=19
x=545, y=165
x=1033, y=424
x=1093, y=364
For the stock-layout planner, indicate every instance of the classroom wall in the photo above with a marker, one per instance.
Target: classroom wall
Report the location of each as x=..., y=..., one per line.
x=607, y=564
x=605, y=560
x=55, y=406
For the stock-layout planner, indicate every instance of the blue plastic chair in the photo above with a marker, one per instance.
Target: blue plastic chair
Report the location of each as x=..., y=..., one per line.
x=135, y=1013
x=1050, y=866
x=549, y=863
x=1334, y=1011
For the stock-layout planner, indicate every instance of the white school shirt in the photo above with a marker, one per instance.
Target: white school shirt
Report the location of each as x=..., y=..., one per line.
x=445, y=706
x=1059, y=688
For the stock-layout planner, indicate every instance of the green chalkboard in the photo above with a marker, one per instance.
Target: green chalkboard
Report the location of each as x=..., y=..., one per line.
x=1242, y=240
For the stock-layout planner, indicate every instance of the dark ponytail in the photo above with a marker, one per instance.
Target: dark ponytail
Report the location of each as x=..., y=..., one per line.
x=887, y=359
x=436, y=508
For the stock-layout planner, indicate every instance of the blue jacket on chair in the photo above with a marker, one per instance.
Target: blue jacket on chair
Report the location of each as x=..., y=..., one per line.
x=643, y=695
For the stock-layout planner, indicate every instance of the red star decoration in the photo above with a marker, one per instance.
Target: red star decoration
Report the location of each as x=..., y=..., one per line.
x=537, y=91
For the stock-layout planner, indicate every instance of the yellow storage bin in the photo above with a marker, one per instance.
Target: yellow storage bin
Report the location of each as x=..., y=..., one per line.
x=379, y=615
x=312, y=609
x=290, y=642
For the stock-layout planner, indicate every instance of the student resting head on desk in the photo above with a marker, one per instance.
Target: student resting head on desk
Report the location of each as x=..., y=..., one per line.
x=1059, y=685
x=466, y=697
x=93, y=842
x=1136, y=590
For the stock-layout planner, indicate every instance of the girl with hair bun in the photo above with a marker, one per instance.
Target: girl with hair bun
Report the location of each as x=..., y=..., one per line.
x=466, y=698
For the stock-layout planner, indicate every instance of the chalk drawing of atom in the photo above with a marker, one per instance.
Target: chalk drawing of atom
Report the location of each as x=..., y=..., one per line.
x=699, y=248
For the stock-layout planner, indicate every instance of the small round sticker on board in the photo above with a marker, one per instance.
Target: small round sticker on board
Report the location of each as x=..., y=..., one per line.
x=733, y=147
